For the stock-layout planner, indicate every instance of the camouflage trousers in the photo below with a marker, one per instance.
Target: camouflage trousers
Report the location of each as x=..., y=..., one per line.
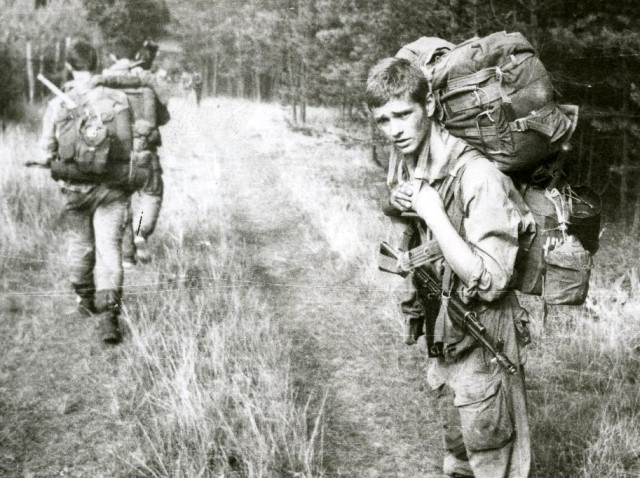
x=95, y=221
x=483, y=413
x=142, y=222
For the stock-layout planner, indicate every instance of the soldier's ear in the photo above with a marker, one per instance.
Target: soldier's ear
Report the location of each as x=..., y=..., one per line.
x=430, y=105
x=68, y=67
x=113, y=58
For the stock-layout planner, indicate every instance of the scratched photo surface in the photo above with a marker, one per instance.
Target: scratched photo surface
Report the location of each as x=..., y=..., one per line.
x=256, y=335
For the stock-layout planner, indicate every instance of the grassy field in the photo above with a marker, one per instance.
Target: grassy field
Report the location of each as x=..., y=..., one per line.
x=262, y=341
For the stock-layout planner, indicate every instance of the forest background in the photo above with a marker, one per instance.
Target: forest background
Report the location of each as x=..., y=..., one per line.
x=231, y=365
x=317, y=52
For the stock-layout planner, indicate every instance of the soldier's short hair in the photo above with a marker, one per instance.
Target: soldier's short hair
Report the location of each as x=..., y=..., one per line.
x=395, y=78
x=147, y=54
x=82, y=56
x=123, y=47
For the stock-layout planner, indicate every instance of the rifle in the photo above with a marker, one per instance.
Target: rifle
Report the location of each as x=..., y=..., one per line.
x=463, y=318
x=37, y=164
x=57, y=91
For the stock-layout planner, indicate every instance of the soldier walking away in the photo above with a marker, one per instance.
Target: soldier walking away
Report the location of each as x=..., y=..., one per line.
x=468, y=217
x=133, y=76
x=95, y=211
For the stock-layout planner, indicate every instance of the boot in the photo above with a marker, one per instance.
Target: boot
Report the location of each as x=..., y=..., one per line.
x=143, y=254
x=85, y=299
x=109, y=328
x=108, y=308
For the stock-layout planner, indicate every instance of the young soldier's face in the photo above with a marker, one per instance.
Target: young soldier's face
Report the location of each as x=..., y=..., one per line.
x=404, y=122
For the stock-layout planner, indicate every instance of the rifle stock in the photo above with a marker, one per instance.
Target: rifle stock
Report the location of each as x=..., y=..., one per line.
x=463, y=318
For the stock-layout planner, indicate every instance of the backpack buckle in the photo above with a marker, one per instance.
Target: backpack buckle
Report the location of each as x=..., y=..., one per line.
x=521, y=124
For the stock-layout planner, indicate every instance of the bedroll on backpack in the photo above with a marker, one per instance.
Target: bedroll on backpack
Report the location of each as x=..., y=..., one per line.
x=558, y=262
x=95, y=138
x=494, y=93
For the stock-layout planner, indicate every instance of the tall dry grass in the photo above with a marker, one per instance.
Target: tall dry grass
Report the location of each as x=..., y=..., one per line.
x=203, y=374
x=583, y=369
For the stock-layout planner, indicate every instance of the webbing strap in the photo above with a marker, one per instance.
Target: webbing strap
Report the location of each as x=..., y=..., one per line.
x=487, y=73
x=525, y=124
x=519, y=125
x=443, y=325
x=393, y=166
x=483, y=96
x=420, y=173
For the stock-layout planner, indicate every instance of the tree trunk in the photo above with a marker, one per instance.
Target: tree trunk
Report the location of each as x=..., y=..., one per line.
x=292, y=90
x=67, y=44
x=214, y=90
x=590, y=160
x=41, y=72
x=206, y=76
x=256, y=82
x=56, y=59
x=635, y=228
x=624, y=147
x=303, y=90
x=240, y=80
x=30, y=75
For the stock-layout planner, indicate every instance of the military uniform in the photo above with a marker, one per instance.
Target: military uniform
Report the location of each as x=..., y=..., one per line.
x=95, y=216
x=483, y=408
x=151, y=193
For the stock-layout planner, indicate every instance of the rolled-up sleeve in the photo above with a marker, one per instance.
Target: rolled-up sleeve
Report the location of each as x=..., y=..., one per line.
x=491, y=224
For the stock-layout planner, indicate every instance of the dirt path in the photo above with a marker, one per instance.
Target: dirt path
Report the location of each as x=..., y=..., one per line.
x=376, y=420
x=59, y=411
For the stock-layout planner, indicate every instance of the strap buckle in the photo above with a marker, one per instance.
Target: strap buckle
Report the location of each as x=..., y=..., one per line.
x=521, y=124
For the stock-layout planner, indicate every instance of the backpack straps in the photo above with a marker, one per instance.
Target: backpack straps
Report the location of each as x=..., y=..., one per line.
x=443, y=328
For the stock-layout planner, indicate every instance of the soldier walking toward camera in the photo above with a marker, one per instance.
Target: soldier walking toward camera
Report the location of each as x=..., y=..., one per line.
x=86, y=135
x=469, y=215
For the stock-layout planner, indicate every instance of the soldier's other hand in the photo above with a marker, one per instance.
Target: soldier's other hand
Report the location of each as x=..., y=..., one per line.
x=401, y=197
x=427, y=202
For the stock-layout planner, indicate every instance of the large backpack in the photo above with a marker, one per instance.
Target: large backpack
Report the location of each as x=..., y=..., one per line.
x=94, y=138
x=496, y=95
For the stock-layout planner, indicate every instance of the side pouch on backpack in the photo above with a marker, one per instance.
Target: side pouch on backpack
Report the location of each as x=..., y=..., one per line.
x=568, y=268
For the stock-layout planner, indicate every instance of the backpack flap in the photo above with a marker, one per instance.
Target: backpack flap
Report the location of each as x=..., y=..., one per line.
x=93, y=147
